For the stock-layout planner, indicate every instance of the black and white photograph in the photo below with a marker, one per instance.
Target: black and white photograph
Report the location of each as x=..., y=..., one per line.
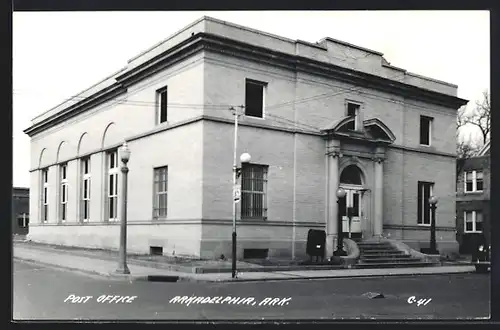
x=251, y=165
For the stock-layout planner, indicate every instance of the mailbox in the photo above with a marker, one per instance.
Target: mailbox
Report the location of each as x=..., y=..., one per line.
x=316, y=240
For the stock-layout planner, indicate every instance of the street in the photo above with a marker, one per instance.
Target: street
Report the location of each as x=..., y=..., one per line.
x=45, y=293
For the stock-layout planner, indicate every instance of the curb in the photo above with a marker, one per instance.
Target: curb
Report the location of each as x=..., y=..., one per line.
x=214, y=270
x=301, y=278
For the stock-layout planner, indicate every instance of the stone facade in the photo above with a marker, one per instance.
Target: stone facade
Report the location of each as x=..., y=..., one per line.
x=301, y=138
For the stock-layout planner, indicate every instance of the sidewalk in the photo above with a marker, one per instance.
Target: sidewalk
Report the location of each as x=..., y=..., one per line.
x=92, y=265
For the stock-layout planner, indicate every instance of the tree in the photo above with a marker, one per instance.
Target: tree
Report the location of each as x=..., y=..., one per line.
x=479, y=117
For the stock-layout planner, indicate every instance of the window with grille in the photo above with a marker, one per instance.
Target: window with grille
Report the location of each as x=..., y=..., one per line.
x=473, y=221
x=473, y=181
x=63, y=211
x=112, y=185
x=254, y=191
x=45, y=195
x=85, y=193
x=160, y=192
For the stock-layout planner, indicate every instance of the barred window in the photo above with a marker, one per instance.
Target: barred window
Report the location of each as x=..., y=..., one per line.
x=160, y=192
x=254, y=191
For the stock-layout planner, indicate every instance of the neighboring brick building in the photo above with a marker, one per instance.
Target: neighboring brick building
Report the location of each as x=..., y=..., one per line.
x=317, y=116
x=20, y=210
x=473, y=199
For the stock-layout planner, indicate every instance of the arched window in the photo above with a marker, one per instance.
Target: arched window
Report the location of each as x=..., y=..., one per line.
x=351, y=175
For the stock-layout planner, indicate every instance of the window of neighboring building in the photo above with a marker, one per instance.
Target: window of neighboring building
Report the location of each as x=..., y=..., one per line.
x=85, y=184
x=63, y=211
x=424, y=211
x=473, y=222
x=353, y=111
x=254, y=191
x=473, y=181
x=162, y=95
x=23, y=220
x=45, y=195
x=160, y=192
x=112, y=185
x=254, y=98
x=425, y=130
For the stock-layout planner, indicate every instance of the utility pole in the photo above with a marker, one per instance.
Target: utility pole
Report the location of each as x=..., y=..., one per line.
x=244, y=158
x=235, y=178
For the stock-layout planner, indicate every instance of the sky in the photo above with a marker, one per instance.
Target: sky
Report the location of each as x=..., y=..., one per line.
x=58, y=54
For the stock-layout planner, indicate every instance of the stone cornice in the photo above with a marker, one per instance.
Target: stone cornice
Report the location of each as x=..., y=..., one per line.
x=76, y=109
x=241, y=49
x=215, y=43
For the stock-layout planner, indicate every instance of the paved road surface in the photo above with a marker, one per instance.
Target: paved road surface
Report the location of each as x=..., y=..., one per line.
x=40, y=292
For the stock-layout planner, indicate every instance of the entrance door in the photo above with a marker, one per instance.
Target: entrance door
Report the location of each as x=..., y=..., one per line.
x=352, y=200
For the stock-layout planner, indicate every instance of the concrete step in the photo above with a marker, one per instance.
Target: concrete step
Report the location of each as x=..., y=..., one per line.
x=391, y=256
x=382, y=254
x=390, y=260
x=374, y=245
x=378, y=249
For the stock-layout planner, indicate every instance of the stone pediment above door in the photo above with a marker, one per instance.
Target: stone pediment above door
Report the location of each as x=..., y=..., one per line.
x=371, y=131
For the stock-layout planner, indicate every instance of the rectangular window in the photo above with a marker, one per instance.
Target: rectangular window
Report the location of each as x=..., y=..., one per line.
x=254, y=98
x=473, y=181
x=254, y=191
x=23, y=220
x=85, y=193
x=112, y=185
x=424, y=211
x=160, y=192
x=162, y=96
x=353, y=111
x=63, y=211
x=45, y=197
x=425, y=130
x=473, y=222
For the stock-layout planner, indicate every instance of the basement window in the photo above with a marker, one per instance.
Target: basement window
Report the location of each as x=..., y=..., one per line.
x=254, y=98
x=156, y=250
x=255, y=253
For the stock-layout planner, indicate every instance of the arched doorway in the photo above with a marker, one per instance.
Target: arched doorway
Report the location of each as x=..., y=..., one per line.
x=350, y=207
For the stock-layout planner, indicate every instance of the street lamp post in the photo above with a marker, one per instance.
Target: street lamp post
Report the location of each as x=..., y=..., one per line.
x=340, y=244
x=433, y=202
x=122, y=263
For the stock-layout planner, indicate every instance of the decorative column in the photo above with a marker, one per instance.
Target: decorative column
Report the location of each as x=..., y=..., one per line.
x=379, y=197
x=333, y=184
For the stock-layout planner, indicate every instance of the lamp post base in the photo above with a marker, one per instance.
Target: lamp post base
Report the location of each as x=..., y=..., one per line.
x=123, y=270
